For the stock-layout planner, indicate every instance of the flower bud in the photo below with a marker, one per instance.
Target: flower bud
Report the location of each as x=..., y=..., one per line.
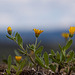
x=72, y=30
x=9, y=30
x=65, y=35
x=18, y=58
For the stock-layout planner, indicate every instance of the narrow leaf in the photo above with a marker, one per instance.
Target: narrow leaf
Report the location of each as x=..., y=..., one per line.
x=9, y=37
x=16, y=52
x=19, y=39
x=71, y=56
x=52, y=52
x=9, y=65
x=9, y=62
x=16, y=35
x=13, y=33
x=38, y=44
x=46, y=58
x=58, y=55
x=20, y=51
x=15, y=67
x=61, y=57
x=39, y=50
x=52, y=58
x=38, y=60
x=53, y=67
x=68, y=45
x=22, y=64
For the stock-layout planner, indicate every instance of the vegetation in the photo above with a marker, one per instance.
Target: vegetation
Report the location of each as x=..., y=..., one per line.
x=33, y=56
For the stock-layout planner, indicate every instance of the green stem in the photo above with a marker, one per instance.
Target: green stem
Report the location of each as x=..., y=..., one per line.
x=31, y=59
x=35, y=44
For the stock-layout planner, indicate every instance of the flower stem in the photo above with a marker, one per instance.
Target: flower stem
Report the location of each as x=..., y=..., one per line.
x=35, y=44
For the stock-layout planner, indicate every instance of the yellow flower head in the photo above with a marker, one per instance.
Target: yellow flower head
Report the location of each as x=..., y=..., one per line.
x=9, y=30
x=65, y=35
x=18, y=58
x=72, y=30
x=37, y=32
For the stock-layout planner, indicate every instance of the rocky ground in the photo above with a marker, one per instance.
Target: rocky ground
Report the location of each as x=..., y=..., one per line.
x=31, y=71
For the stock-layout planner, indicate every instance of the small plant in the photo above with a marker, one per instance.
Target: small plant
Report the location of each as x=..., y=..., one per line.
x=53, y=61
x=63, y=59
x=19, y=65
x=33, y=47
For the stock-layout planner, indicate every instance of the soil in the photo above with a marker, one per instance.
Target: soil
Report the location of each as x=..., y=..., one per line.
x=31, y=71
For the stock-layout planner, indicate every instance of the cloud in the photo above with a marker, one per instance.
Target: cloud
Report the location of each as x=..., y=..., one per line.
x=46, y=14
x=5, y=19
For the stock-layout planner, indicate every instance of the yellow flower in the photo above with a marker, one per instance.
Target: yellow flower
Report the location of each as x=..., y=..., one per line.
x=18, y=58
x=37, y=32
x=65, y=35
x=72, y=30
x=9, y=30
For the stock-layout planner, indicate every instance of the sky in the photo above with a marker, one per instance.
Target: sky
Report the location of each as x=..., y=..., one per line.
x=40, y=14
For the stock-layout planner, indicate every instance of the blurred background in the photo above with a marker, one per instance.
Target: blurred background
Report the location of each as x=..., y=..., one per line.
x=52, y=16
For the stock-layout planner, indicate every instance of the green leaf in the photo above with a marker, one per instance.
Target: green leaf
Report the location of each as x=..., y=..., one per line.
x=15, y=67
x=53, y=67
x=18, y=72
x=22, y=64
x=9, y=62
x=20, y=42
x=13, y=33
x=31, y=47
x=38, y=44
x=20, y=51
x=71, y=56
x=58, y=55
x=16, y=52
x=9, y=65
x=39, y=50
x=61, y=57
x=9, y=37
x=19, y=39
x=52, y=57
x=46, y=58
x=38, y=60
x=67, y=45
x=52, y=52
x=16, y=35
